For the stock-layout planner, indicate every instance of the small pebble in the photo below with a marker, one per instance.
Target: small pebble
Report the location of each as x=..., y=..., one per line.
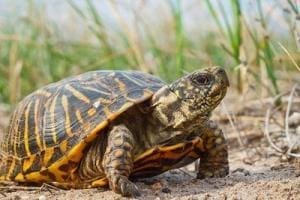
x=276, y=167
x=156, y=186
x=42, y=197
x=294, y=119
x=242, y=170
x=298, y=130
x=166, y=190
x=17, y=197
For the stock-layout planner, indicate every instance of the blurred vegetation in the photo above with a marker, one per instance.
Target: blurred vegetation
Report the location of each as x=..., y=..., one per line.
x=33, y=51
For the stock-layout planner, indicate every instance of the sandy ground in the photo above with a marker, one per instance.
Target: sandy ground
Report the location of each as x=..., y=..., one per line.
x=266, y=179
x=256, y=172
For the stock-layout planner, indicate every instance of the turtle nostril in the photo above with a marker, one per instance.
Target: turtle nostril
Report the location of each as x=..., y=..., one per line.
x=221, y=71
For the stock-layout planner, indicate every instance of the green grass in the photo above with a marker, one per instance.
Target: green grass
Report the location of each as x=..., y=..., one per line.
x=34, y=53
x=230, y=29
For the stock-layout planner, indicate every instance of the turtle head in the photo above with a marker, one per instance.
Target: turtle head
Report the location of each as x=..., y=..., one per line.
x=186, y=104
x=201, y=90
x=190, y=98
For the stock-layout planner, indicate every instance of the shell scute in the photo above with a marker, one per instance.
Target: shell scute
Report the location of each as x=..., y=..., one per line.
x=32, y=163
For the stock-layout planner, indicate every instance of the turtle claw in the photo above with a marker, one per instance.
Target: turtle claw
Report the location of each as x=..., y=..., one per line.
x=217, y=173
x=127, y=188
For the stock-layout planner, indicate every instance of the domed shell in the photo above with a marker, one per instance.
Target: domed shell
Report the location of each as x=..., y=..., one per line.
x=50, y=128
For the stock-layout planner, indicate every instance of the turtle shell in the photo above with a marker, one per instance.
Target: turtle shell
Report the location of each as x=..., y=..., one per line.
x=50, y=128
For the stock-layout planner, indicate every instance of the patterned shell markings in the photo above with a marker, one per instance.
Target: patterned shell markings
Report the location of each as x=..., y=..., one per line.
x=49, y=123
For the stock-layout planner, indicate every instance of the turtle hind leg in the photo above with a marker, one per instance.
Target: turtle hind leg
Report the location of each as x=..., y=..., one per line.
x=118, y=161
x=214, y=158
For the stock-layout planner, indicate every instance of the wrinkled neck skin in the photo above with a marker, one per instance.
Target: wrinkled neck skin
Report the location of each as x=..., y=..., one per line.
x=171, y=119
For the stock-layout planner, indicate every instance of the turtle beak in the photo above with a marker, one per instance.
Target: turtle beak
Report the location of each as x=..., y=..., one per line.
x=222, y=76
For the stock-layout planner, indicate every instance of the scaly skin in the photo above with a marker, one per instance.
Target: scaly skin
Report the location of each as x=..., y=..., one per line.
x=118, y=161
x=214, y=160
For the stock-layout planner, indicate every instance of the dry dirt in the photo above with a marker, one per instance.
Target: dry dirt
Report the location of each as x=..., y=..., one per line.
x=256, y=170
x=265, y=179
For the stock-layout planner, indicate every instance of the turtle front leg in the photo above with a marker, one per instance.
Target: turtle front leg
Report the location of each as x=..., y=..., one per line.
x=214, y=158
x=118, y=161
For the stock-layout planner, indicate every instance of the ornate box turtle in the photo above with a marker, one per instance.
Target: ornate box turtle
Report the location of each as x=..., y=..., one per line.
x=106, y=127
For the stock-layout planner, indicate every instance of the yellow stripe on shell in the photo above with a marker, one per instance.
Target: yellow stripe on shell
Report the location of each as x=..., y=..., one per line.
x=131, y=79
x=35, y=177
x=26, y=131
x=121, y=85
x=78, y=94
x=165, y=149
x=9, y=140
x=157, y=153
x=157, y=149
x=43, y=93
x=15, y=132
x=92, y=111
x=15, y=139
x=28, y=163
x=52, y=111
x=103, y=101
x=36, y=128
x=11, y=169
x=47, y=105
x=20, y=177
x=48, y=155
x=78, y=116
x=65, y=104
x=63, y=146
x=107, y=112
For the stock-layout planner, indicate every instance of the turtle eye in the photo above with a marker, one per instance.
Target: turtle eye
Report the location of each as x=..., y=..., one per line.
x=202, y=79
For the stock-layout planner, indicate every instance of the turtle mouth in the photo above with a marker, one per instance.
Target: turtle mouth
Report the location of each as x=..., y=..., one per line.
x=219, y=90
x=221, y=85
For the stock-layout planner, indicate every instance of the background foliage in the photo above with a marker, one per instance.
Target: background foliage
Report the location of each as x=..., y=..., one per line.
x=255, y=40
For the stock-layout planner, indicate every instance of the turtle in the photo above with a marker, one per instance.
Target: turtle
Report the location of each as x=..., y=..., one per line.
x=107, y=128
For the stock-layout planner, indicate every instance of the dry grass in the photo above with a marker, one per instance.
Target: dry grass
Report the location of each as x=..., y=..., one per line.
x=35, y=51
